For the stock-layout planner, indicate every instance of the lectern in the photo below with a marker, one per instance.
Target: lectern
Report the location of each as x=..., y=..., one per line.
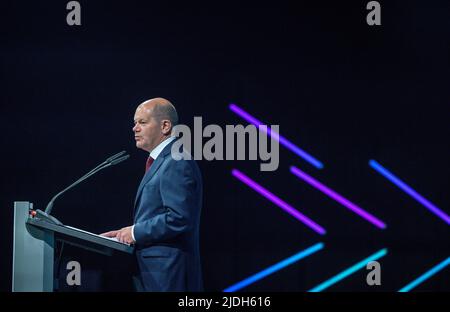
x=34, y=243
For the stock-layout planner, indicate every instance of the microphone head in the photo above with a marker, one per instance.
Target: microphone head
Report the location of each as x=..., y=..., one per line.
x=119, y=160
x=110, y=159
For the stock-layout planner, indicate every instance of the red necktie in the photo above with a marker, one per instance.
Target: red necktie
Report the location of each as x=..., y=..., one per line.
x=148, y=163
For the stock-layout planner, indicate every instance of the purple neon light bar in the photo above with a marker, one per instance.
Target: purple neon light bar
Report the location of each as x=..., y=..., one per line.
x=343, y=201
x=283, y=141
x=279, y=202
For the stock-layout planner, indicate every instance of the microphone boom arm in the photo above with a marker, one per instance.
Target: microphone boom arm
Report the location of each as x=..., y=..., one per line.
x=111, y=161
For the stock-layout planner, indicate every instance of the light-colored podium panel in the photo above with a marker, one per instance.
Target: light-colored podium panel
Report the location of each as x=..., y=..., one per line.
x=33, y=250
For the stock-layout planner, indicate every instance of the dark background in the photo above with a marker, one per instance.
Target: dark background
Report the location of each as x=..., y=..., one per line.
x=339, y=89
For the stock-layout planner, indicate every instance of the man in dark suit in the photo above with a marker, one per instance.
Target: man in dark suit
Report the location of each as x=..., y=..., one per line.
x=167, y=206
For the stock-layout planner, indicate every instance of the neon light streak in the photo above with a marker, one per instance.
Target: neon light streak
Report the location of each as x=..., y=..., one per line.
x=274, y=268
x=343, y=201
x=279, y=202
x=283, y=141
x=349, y=271
x=426, y=275
x=408, y=190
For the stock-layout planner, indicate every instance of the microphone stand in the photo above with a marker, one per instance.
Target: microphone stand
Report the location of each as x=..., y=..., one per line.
x=111, y=161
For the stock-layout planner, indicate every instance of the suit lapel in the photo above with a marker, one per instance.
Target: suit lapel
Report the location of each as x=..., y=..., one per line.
x=153, y=169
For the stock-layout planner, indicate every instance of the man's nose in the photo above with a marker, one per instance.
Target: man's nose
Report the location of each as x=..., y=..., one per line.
x=135, y=128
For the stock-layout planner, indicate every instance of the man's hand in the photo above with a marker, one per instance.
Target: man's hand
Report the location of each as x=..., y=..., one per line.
x=110, y=234
x=123, y=235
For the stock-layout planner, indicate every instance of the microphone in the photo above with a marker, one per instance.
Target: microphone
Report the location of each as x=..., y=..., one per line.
x=119, y=160
x=111, y=161
x=115, y=156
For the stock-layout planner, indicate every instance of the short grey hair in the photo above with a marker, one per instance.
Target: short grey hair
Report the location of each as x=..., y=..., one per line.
x=165, y=111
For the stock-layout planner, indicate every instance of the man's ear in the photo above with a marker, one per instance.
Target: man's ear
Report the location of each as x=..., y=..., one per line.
x=166, y=127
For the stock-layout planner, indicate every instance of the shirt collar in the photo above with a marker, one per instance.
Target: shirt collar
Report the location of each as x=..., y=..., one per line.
x=158, y=149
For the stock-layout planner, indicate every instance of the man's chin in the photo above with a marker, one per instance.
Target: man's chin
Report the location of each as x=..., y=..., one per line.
x=141, y=146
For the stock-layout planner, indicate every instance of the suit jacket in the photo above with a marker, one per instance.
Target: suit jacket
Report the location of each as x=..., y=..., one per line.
x=166, y=225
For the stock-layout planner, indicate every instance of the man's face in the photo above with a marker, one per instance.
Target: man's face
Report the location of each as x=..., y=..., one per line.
x=147, y=131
